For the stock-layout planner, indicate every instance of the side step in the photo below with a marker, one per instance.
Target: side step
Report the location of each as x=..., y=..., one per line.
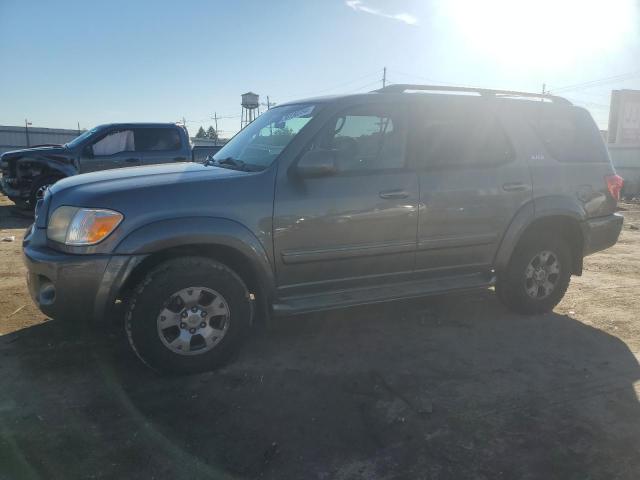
x=381, y=293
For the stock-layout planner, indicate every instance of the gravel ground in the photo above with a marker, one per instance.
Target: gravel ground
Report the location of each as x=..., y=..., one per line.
x=442, y=388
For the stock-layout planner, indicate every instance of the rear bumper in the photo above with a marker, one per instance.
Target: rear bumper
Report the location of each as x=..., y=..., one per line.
x=74, y=287
x=602, y=232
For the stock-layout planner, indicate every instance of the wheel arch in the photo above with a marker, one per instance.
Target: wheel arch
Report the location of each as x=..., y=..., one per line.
x=223, y=240
x=556, y=214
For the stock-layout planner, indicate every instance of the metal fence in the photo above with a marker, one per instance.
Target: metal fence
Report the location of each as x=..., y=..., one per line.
x=12, y=138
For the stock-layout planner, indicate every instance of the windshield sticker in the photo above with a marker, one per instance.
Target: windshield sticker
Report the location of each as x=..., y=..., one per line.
x=298, y=113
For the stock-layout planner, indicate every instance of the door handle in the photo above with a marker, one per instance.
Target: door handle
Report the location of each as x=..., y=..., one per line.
x=515, y=187
x=391, y=194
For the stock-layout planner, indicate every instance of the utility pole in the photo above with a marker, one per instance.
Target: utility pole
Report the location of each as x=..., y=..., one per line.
x=26, y=130
x=78, y=127
x=215, y=119
x=384, y=77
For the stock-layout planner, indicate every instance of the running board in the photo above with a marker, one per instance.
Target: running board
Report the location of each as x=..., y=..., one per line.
x=381, y=293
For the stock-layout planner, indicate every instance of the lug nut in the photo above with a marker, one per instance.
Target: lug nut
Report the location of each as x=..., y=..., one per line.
x=202, y=325
x=183, y=325
x=184, y=314
x=194, y=309
x=192, y=330
x=203, y=314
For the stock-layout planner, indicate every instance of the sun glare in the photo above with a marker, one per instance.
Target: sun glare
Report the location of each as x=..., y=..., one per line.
x=549, y=33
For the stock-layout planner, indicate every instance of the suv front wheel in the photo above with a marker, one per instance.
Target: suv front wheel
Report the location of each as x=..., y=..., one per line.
x=188, y=315
x=537, y=275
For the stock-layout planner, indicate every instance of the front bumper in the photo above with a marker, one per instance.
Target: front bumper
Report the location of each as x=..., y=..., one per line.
x=8, y=188
x=602, y=232
x=74, y=287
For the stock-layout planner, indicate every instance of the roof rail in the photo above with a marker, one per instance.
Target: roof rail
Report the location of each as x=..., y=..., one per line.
x=403, y=87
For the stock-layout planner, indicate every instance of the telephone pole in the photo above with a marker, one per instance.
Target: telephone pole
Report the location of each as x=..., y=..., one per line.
x=215, y=120
x=26, y=130
x=384, y=77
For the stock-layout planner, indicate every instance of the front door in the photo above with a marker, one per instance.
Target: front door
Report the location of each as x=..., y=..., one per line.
x=356, y=226
x=114, y=149
x=472, y=182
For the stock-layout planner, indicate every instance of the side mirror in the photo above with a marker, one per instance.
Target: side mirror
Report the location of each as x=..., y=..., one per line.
x=317, y=163
x=87, y=151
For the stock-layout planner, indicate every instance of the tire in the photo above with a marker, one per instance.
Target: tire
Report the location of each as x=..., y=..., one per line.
x=207, y=310
x=40, y=184
x=540, y=260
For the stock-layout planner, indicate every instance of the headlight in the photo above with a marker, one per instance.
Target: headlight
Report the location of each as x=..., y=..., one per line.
x=82, y=226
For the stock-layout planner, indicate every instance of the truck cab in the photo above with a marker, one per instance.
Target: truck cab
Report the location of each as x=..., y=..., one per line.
x=27, y=173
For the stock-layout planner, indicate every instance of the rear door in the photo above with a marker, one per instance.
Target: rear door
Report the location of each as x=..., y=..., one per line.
x=472, y=182
x=159, y=145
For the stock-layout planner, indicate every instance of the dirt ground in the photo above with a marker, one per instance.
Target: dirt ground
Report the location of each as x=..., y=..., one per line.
x=442, y=388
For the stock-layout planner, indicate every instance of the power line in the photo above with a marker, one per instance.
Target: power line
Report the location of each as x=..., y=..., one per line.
x=339, y=85
x=598, y=82
x=431, y=80
x=366, y=85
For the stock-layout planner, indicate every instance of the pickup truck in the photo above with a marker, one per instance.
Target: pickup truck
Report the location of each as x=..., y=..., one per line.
x=27, y=173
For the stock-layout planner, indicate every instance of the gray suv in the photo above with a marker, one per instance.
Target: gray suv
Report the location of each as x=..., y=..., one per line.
x=403, y=192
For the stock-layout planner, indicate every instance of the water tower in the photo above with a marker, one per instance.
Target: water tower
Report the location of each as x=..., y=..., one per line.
x=250, y=104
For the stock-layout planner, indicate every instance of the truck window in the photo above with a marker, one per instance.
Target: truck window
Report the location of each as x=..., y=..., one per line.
x=114, y=142
x=157, y=139
x=570, y=135
x=460, y=137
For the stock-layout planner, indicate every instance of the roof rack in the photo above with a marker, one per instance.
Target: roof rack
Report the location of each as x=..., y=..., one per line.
x=485, y=92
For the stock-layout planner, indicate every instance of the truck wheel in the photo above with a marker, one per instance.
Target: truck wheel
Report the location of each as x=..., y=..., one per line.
x=188, y=315
x=537, y=276
x=40, y=186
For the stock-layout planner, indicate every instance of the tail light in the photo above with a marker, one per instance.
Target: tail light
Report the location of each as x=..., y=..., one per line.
x=614, y=185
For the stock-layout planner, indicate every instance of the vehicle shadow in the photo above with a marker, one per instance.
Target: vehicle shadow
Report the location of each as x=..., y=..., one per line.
x=13, y=217
x=446, y=388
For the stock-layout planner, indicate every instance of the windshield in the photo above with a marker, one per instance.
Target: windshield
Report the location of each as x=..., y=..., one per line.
x=81, y=138
x=258, y=145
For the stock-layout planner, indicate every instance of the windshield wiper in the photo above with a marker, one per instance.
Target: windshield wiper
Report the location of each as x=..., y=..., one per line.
x=230, y=162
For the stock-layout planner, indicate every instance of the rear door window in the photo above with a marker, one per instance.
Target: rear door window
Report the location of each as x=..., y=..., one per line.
x=157, y=139
x=570, y=135
x=459, y=136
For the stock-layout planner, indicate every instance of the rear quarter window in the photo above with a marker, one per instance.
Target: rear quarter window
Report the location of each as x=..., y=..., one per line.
x=570, y=135
x=157, y=139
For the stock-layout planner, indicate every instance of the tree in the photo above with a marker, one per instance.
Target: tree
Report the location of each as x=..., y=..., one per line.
x=212, y=134
x=201, y=133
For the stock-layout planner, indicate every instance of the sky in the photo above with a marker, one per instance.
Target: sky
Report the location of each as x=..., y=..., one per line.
x=94, y=62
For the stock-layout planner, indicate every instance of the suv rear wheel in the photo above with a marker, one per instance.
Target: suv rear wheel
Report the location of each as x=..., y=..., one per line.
x=537, y=276
x=188, y=315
